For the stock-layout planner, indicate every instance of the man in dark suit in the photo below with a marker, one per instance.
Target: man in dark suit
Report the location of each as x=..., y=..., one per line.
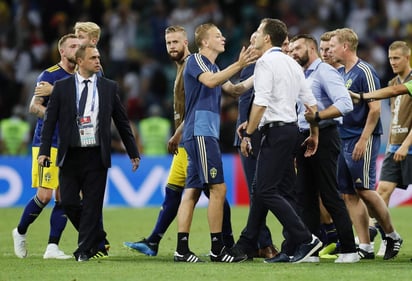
x=83, y=105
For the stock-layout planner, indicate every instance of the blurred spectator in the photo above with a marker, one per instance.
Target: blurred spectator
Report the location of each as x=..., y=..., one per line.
x=132, y=87
x=132, y=43
x=15, y=133
x=399, y=13
x=117, y=143
x=358, y=18
x=122, y=28
x=209, y=11
x=184, y=15
x=154, y=132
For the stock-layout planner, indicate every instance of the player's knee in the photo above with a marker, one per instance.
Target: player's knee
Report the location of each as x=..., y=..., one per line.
x=44, y=195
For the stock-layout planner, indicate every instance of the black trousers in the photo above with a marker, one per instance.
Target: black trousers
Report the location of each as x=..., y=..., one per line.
x=316, y=175
x=249, y=168
x=82, y=186
x=275, y=182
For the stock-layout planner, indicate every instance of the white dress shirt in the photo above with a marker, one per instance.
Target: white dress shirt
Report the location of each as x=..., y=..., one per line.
x=279, y=83
x=92, y=103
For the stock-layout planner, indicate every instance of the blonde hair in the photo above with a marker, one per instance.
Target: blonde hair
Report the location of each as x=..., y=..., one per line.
x=347, y=35
x=201, y=33
x=326, y=36
x=64, y=39
x=92, y=29
x=176, y=28
x=402, y=45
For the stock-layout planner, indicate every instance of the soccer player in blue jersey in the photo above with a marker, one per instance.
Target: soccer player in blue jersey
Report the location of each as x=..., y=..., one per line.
x=397, y=164
x=46, y=179
x=88, y=33
x=360, y=135
x=204, y=83
x=178, y=50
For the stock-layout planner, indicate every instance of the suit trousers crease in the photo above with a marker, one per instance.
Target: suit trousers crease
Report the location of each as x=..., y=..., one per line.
x=275, y=182
x=84, y=172
x=316, y=175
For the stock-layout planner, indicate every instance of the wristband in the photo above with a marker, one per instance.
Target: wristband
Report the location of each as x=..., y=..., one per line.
x=361, y=96
x=246, y=135
x=317, y=117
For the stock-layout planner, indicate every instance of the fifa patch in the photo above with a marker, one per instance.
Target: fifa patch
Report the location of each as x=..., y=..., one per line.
x=213, y=173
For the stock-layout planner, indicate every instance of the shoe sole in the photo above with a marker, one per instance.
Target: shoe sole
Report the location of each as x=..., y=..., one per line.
x=66, y=257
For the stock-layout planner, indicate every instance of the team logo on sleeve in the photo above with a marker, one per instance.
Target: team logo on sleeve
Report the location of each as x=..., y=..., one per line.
x=47, y=177
x=213, y=172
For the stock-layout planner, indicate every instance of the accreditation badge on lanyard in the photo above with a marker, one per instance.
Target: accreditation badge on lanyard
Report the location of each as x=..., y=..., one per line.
x=87, y=131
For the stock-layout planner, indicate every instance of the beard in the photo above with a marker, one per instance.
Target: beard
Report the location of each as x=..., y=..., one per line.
x=72, y=60
x=304, y=59
x=177, y=55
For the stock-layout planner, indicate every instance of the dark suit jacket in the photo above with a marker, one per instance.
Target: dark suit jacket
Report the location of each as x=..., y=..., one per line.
x=62, y=109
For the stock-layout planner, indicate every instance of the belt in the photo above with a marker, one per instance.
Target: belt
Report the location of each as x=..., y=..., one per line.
x=321, y=127
x=277, y=124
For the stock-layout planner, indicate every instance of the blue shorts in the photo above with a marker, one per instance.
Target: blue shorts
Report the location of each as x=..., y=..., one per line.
x=205, y=162
x=358, y=174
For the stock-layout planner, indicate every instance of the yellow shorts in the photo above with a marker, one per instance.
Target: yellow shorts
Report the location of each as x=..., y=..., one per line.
x=178, y=169
x=50, y=177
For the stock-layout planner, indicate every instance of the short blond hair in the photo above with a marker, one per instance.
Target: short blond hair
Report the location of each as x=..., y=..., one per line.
x=326, y=36
x=347, y=35
x=64, y=39
x=402, y=45
x=176, y=28
x=92, y=29
x=201, y=33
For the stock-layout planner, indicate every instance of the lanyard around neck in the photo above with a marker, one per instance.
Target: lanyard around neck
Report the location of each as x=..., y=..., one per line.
x=78, y=93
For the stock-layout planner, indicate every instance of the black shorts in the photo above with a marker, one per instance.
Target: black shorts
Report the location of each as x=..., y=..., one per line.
x=397, y=172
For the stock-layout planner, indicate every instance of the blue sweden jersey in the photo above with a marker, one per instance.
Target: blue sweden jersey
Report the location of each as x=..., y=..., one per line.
x=51, y=75
x=202, y=104
x=362, y=78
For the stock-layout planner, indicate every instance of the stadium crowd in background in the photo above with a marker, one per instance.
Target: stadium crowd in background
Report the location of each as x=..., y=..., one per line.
x=132, y=43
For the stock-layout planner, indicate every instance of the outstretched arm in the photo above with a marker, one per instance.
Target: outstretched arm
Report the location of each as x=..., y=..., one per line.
x=383, y=93
x=213, y=79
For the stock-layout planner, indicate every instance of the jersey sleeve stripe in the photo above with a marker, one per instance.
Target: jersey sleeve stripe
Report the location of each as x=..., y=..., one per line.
x=201, y=63
x=369, y=76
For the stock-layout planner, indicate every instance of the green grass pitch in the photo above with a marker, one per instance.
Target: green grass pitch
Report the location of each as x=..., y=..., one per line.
x=129, y=224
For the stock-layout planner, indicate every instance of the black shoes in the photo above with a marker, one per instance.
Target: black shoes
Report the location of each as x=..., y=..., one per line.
x=82, y=257
x=392, y=247
x=364, y=255
x=228, y=255
x=305, y=250
x=188, y=257
x=91, y=255
x=281, y=257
